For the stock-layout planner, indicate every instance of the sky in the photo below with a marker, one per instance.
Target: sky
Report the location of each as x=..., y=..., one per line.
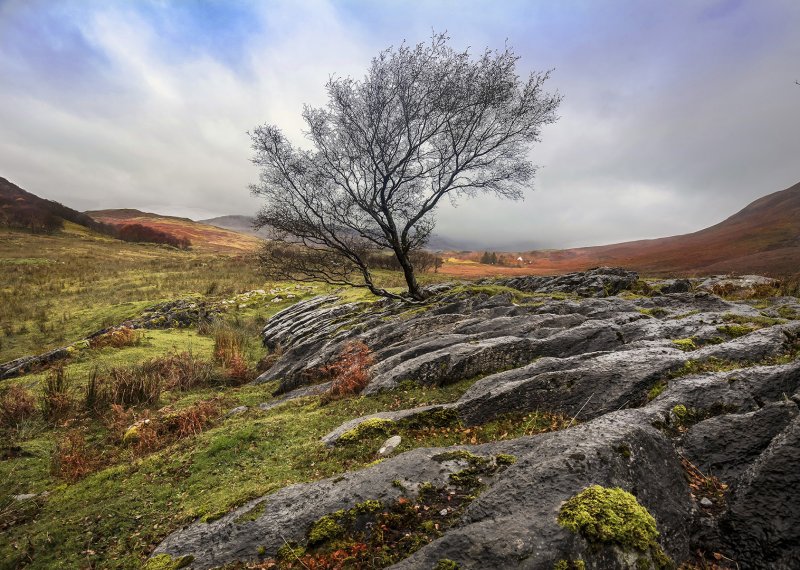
x=675, y=114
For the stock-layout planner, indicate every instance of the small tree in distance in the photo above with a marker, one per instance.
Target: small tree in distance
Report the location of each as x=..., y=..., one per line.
x=424, y=123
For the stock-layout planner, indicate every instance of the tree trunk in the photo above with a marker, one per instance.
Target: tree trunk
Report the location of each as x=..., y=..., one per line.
x=414, y=289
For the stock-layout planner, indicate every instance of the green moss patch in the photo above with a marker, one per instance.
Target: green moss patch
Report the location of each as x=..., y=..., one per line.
x=735, y=330
x=613, y=516
x=685, y=344
x=655, y=312
x=376, y=534
x=167, y=562
x=368, y=428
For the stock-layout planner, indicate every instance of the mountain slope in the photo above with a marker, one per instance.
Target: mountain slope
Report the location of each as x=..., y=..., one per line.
x=241, y=224
x=764, y=237
x=22, y=209
x=204, y=237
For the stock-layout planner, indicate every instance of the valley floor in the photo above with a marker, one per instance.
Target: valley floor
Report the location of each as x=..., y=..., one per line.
x=157, y=426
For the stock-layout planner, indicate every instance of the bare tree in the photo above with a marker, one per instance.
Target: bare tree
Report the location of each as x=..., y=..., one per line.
x=424, y=123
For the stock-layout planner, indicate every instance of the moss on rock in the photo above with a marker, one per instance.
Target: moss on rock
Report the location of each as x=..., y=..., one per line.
x=167, y=562
x=325, y=529
x=613, y=516
x=368, y=428
x=685, y=344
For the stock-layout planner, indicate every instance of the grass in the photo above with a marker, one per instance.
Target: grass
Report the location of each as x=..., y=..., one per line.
x=125, y=508
x=110, y=500
x=82, y=282
x=58, y=289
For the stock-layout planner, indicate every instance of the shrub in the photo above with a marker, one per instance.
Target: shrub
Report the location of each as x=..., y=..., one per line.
x=72, y=459
x=118, y=338
x=349, y=373
x=139, y=385
x=192, y=420
x=16, y=405
x=56, y=400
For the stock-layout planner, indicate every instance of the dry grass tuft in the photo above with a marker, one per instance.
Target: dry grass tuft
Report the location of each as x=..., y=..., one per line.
x=228, y=344
x=349, y=373
x=56, y=400
x=143, y=384
x=229, y=352
x=184, y=371
x=72, y=459
x=139, y=385
x=17, y=404
x=118, y=338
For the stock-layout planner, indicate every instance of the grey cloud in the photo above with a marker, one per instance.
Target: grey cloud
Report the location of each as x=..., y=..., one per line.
x=675, y=116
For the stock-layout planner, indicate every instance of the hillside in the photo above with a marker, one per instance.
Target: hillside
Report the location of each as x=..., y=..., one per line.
x=204, y=237
x=446, y=427
x=762, y=238
x=236, y=223
x=22, y=209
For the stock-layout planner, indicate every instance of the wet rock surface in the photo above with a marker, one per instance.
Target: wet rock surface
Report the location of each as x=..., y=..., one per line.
x=654, y=384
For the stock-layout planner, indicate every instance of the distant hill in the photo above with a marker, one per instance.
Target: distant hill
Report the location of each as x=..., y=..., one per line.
x=241, y=224
x=22, y=209
x=203, y=237
x=764, y=238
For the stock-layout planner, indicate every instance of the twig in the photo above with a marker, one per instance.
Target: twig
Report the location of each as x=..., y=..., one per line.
x=293, y=553
x=579, y=411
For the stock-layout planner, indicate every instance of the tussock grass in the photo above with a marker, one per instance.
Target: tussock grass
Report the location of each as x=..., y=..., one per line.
x=17, y=404
x=56, y=400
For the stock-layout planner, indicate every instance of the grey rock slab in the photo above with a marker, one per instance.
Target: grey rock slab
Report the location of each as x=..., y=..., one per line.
x=600, y=282
x=390, y=445
x=313, y=390
x=762, y=525
x=725, y=446
x=236, y=411
x=583, y=387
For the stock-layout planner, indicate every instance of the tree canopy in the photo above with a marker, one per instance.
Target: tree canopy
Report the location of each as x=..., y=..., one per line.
x=426, y=122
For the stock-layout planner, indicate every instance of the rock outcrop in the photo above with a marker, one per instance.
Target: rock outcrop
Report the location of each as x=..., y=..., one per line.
x=685, y=401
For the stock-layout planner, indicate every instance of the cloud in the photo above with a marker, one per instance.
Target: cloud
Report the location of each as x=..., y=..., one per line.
x=673, y=118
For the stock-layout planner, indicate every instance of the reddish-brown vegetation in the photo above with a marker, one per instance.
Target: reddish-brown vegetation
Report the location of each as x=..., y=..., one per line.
x=117, y=338
x=17, y=404
x=203, y=237
x=148, y=234
x=762, y=238
x=72, y=458
x=349, y=373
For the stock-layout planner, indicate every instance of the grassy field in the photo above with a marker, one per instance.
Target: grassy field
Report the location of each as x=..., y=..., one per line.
x=204, y=238
x=58, y=289
x=103, y=499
